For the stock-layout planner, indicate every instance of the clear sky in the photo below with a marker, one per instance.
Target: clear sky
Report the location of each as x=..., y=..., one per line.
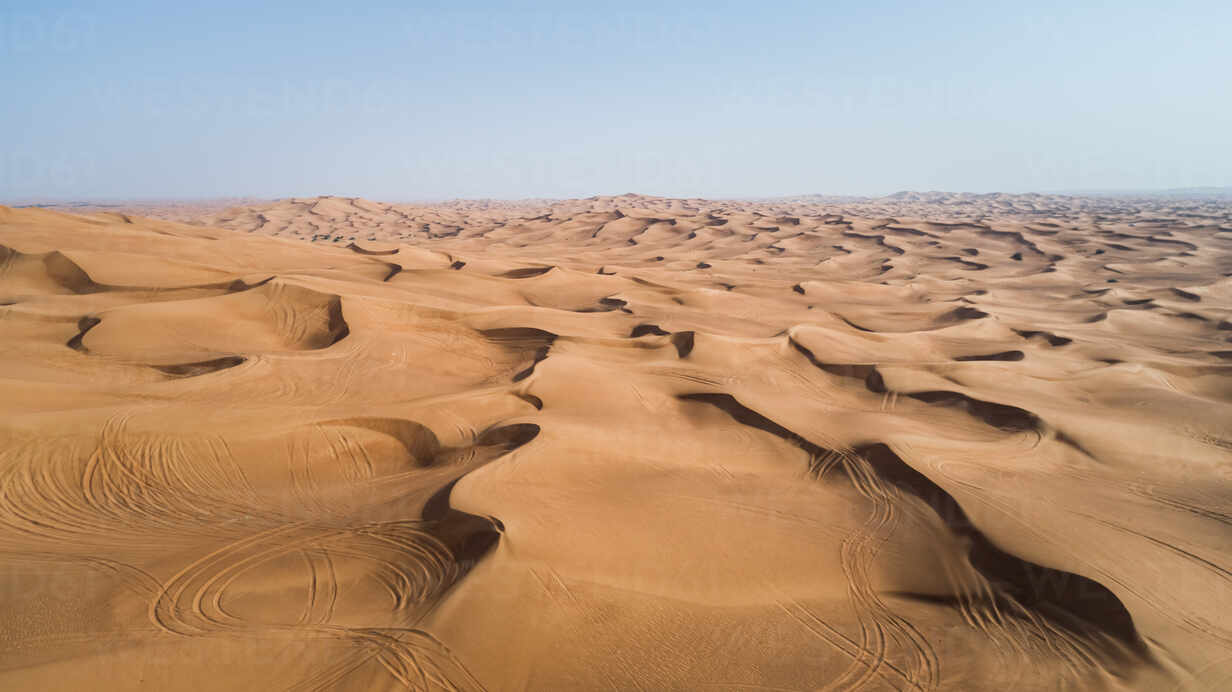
x=426, y=100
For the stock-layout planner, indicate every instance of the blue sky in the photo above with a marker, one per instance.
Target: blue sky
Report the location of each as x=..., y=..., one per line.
x=407, y=101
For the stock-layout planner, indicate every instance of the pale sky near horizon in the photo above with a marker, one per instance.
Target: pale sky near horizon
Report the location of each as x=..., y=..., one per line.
x=406, y=101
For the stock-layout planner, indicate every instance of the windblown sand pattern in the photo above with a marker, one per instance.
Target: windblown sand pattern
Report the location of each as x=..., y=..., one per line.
x=626, y=443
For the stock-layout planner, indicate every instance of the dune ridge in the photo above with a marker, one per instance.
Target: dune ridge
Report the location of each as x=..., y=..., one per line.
x=926, y=442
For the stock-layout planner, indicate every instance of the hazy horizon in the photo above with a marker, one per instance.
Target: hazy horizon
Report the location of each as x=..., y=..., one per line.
x=1177, y=193
x=546, y=100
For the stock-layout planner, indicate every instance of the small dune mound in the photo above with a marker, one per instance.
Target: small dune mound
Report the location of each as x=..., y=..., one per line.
x=523, y=343
x=866, y=373
x=645, y=329
x=1002, y=356
x=85, y=324
x=1051, y=339
x=904, y=319
x=276, y=317
x=364, y=251
x=961, y=314
x=508, y=436
x=204, y=367
x=417, y=439
x=526, y=272
x=51, y=272
x=1002, y=416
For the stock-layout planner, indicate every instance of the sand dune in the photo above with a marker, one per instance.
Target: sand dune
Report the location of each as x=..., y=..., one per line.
x=921, y=442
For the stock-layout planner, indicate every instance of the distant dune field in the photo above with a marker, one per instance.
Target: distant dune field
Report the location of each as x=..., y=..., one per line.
x=924, y=442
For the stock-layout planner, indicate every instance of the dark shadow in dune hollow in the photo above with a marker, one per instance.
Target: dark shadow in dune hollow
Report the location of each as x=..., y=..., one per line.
x=468, y=536
x=1079, y=605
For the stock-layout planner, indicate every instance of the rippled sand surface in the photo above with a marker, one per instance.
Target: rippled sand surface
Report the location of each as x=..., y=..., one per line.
x=915, y=443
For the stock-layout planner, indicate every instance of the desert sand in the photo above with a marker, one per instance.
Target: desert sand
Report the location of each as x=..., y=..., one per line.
x=924, y=442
